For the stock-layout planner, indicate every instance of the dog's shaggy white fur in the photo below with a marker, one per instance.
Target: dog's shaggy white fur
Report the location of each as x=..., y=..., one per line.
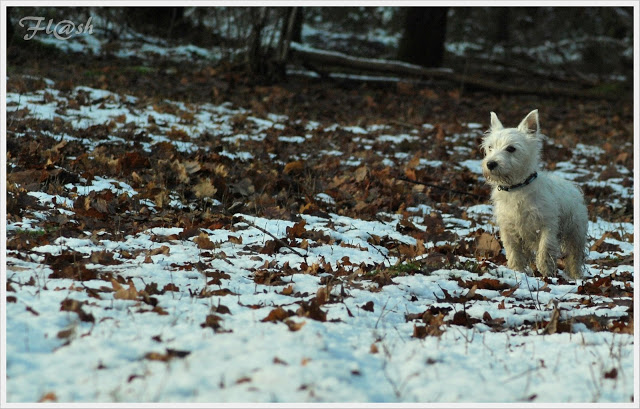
x=536, y=211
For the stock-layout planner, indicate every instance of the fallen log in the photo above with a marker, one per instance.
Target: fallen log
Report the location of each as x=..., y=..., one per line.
x=310, y=57
x=314, y=55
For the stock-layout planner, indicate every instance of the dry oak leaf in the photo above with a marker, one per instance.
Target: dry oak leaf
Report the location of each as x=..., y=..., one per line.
x=508, y=293
x=294, y=326
x=161, y=199
x=212, y=321
x=122, y=293
x=552, y=326
x=270, y=247
x=159, y=250
x=322, y=295
x=409, y=251
x=103, y=257
x=203, y=242
x=312, y=310
x=48, y=397
x=419, y=331
x=361, y=173
x=69, y=304
x=411, y=174
x=487, y=245
x=170, y=287
x=171, y=353
x=382, y=278
x=463, y=319
x=221, y=309
x=484, y=284
x=278, y=314
x=204, y=188
x=156, y=356
x=612, y=374
x=66, y=333
x=192, y=167
x=433, y=321
x=493, y=322
x=622, y=327
x=244, y=187
x=235, y=240
x=159, y=310
x=297, y=230
x=293, y=167
x=622, y=157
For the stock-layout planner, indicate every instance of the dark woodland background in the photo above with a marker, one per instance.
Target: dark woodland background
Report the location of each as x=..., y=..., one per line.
x=500, y=49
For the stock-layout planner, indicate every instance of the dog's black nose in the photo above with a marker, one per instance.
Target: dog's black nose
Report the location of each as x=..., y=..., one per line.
x=492, y=165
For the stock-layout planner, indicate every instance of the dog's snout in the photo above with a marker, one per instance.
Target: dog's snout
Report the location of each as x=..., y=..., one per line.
x=492, y=165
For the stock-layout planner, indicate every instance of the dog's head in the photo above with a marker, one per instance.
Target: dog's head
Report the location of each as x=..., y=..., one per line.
x=511, y=154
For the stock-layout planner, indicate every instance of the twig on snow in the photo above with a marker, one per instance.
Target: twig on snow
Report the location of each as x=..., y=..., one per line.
x=282, y=242
x=537, y=303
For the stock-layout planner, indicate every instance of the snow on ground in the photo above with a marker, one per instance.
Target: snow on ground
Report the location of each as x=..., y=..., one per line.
x=108, y=359
x=176, y=317
x=99, y=39
x=188, y=323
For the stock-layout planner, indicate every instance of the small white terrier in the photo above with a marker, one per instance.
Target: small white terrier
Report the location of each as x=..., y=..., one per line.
x=536, y=211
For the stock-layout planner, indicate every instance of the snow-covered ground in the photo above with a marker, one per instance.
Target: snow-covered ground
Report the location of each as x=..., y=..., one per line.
x=111, y=344
x=227, y=313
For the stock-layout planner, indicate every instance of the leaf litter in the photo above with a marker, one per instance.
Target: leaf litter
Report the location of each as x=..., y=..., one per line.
x=212, y=245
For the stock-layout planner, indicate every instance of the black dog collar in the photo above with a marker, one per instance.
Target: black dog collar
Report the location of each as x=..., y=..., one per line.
x=525, y=183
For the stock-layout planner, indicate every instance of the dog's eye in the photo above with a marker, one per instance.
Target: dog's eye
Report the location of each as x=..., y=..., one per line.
x=510, y=149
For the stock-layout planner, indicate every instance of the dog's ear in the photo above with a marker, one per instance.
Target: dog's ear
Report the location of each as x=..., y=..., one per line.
x=530, y=123
x=495, y=122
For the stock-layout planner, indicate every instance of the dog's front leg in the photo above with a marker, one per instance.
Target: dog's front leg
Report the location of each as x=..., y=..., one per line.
x=516, y=254
x=548, y=251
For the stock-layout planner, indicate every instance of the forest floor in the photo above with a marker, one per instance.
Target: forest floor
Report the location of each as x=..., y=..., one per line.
x=181, y=232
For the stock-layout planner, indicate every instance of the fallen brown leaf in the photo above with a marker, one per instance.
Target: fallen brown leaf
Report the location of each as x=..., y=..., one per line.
x=124, y=294
x=277, y=314
x=294, y=326
x=487, y=245
x=203, y=242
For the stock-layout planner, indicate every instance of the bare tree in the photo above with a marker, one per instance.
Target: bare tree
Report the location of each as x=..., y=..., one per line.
x=424, y=33
x=268, y=49
x=157, y=20
x=255, y=56
x=287, y=33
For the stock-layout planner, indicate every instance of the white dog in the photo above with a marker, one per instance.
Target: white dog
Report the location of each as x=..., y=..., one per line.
x=536, y=211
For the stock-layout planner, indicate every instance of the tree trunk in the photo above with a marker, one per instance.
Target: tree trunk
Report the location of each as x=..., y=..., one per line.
x=501, y=26
x=155, y=20
x=255, y=57
x=9, y=27
x=424, y=33
x=296, y=27
x=287, y=33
